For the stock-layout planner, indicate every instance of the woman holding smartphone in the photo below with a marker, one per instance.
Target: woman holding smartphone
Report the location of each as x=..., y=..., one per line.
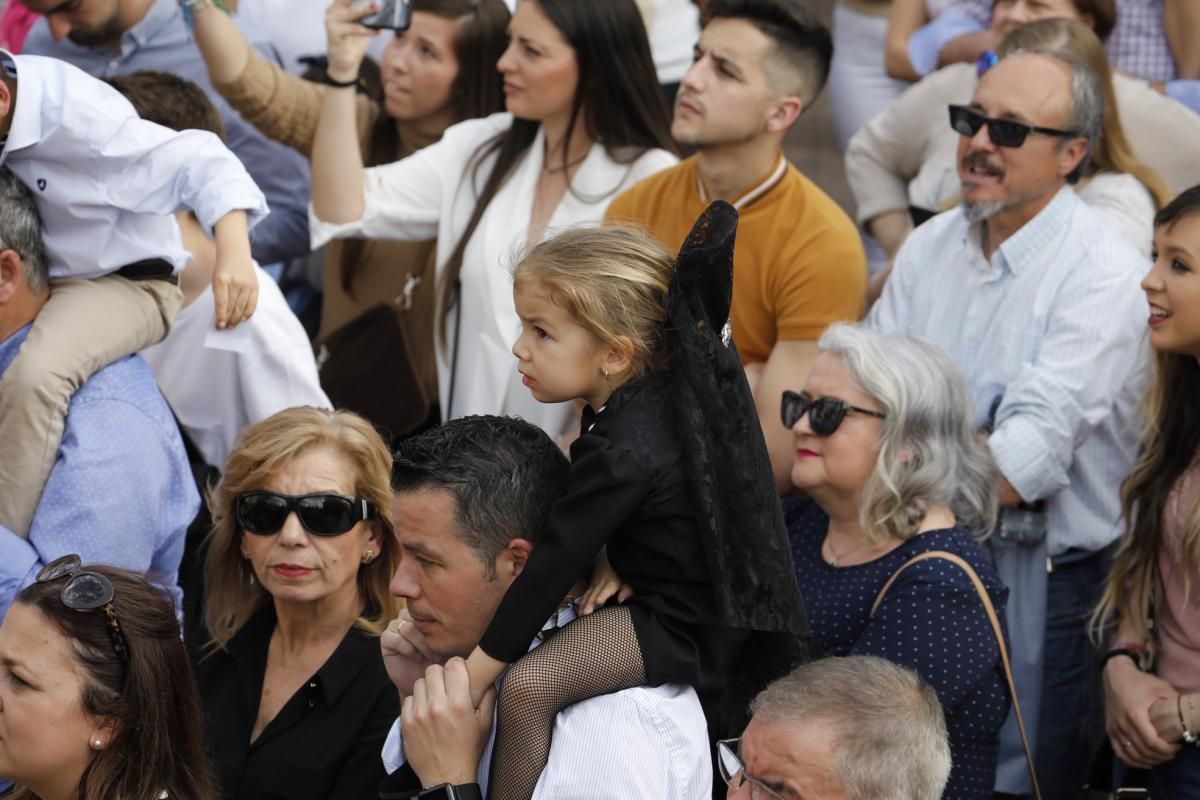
x=586, y=120
x=438, y=71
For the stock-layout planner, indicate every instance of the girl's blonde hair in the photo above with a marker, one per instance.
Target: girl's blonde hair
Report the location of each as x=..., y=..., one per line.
x=1074, y=42
x=613, y=282
x=263, y=450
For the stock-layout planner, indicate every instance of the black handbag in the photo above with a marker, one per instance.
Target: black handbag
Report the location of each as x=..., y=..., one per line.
x=366, y=367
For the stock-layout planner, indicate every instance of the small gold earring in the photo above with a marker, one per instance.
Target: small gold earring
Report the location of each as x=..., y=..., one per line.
x=605, y=373
x=245, y=553
x=368, y=557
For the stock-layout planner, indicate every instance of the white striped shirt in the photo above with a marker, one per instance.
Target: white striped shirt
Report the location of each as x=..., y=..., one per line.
x=1055, y=323
x=106, y=181
x=648, y=742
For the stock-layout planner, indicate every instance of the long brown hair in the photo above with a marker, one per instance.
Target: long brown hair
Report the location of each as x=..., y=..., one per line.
x=1169, y=446
x=152, y=697
x=263, y=449
x=1075, y=42
x=617, y=95
x=477, y=91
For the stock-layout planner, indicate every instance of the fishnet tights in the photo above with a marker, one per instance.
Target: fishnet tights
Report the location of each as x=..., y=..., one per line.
x=593, y=655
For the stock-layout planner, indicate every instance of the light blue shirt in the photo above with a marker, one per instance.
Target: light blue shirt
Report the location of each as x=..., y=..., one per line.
x=926, y=43
x=106, y=181
x=121, y=491
x=162, y=41
x=1055, y=323
x=1186, y=92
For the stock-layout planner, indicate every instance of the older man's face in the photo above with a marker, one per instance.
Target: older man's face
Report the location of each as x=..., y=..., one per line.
x=448, y=591
x=794, y=759
x=1035, y=90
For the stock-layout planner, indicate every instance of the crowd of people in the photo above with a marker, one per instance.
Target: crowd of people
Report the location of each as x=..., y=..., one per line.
x=473, y=401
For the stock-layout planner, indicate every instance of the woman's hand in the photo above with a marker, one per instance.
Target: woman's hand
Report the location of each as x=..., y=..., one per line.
x=1129, y=695
x=405, y=654
x=347, y=39
x=1164, y=716
x=605, y=583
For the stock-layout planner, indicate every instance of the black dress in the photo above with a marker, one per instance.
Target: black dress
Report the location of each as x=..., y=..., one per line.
x=324, y=744
x=627, y=489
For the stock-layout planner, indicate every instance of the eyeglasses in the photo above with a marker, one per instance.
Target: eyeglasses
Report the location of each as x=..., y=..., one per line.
x=323, y=514
x=1003, y=132
x=824, y=415
x=733, y=771
x=85, y=591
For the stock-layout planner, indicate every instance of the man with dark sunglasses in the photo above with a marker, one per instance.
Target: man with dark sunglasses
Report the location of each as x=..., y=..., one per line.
x=1037, y=301
x=471, y=497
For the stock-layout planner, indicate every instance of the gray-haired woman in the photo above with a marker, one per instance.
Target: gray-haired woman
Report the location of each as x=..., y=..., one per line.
x=886, y=454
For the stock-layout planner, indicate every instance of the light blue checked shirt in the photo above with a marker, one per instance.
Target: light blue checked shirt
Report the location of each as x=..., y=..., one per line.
x=162, y=41
x=1056, y=324
x=121, y=491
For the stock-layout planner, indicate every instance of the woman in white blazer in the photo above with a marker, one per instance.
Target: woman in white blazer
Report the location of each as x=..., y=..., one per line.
x=585, y=121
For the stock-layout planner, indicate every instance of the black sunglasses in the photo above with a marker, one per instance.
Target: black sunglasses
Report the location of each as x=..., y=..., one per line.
x=1003, y=132
x=824, y=415
x=85, y=591
x=323, y=514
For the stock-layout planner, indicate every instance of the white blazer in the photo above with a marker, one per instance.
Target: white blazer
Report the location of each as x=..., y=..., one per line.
x=432, y=193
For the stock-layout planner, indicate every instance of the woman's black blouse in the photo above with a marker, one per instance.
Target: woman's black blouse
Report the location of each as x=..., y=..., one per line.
x=324, y=744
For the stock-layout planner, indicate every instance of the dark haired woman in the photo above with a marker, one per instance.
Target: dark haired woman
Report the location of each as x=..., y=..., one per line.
x=97, y=701
x=1153, y=591
x=438, y=72
x=586, y=120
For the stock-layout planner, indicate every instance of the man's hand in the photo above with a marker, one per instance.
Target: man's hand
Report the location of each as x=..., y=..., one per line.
x=444, y=733
x=347, y=40
x=234, y=283
x=1129, y=694
x=405, y=654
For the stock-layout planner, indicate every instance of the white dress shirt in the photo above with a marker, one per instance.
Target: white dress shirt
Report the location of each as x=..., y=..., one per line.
x=647, y=742
x=1056, y=324
x=105, y=180
x=432, y=194
x=216, y=392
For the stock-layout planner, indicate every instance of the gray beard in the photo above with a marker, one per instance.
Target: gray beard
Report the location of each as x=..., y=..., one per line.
x=978, y=212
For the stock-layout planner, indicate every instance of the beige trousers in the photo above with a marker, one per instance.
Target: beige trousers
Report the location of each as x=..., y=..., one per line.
x=83, y=327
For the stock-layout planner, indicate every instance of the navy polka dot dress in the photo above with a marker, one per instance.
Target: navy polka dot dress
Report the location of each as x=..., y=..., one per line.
x=931, y=621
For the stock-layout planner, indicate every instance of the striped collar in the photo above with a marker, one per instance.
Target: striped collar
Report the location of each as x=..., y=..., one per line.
x=773, y=180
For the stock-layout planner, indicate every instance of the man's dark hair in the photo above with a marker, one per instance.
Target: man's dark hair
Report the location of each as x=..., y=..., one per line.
x=503, y=472
x=170, y=101
x=803, y=42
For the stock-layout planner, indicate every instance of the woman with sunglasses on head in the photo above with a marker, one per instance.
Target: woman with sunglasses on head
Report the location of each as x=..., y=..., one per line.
x=296, y=576
x=906, y=157
x=586, y=119
x=891, y=467
x=440, y=71
x=97, y=700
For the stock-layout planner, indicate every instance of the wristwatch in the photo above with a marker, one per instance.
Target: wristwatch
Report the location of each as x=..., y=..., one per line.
x=446, y=791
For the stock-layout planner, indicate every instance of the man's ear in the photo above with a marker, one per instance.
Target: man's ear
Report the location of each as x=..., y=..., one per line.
x=1071, y=155
x=6, y=105
x=785, y=112
x=511, y=561
x=12, y=274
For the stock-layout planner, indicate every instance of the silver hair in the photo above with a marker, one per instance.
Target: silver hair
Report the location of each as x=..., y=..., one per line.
x=929, y=454
x=1087, y=102
x=21, y=229
x=889, y=735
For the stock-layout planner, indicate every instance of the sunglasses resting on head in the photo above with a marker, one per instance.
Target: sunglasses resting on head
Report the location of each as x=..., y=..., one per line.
x=824, y=415
x=264, y=513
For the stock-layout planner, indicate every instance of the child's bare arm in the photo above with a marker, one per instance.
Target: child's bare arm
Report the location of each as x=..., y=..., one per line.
x=484, y=671
x=235, y=284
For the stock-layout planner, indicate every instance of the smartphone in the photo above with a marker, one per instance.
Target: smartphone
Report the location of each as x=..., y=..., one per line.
x=393, y=15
